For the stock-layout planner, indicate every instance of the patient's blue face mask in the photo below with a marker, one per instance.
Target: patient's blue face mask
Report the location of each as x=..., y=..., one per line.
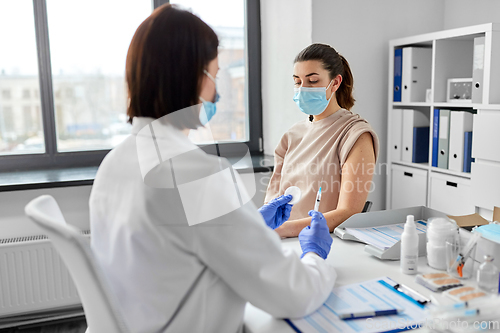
x=312, y=101
x=209, y=107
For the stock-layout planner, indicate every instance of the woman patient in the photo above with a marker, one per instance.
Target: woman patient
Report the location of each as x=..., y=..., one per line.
x=331, y=148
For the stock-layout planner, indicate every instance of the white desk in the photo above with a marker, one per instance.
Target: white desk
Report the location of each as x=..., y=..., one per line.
x=353, y=265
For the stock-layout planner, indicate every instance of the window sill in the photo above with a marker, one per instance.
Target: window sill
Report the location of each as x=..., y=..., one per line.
x=40, y=179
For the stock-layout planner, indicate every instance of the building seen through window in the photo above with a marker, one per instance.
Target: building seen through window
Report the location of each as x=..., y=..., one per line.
x=88, y=67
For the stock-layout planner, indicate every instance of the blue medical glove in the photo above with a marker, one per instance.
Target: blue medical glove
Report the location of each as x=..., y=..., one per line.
x=316, y=237
x=276, y=211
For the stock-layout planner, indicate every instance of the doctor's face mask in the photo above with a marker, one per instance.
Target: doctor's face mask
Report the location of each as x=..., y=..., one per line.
x=209, y=108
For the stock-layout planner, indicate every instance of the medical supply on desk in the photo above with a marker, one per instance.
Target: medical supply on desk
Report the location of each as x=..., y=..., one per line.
x=377, y=294
x=481, y=314
x=488, y=275
x=409, y=247
x=318, y=200
x=464, y=294
x=437, y=281
x=296, y=194
x=439, y=231
x=489, y=231
x=460, y=259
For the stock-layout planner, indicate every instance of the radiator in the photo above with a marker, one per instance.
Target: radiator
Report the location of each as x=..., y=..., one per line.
x=33, y=277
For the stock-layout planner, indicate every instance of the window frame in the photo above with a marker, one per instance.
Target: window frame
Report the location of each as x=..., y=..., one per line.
x=52, y=159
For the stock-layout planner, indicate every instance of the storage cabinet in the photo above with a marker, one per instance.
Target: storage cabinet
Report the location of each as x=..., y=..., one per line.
x=450, y=194
x=469, y=54
x=409, y=187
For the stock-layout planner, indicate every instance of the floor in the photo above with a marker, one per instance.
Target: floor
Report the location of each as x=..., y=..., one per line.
x=68, y=326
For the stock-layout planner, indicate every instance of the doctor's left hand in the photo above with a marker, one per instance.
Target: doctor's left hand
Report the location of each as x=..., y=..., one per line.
x=276, y=211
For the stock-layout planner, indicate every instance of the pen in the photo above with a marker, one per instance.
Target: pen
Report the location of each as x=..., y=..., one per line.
x=318, y=199
x=368, y=314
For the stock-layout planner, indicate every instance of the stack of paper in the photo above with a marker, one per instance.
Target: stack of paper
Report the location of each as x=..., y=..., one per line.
x=385, y=236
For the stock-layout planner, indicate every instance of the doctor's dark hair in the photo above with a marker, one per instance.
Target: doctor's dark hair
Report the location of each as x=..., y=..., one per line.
x=335, y=64
x=165, y=63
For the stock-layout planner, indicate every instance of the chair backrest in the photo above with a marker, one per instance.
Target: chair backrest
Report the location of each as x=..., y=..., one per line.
x=98, y=303
x=367, y=207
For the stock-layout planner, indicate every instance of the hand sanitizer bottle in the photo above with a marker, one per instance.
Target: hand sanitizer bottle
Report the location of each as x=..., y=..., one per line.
x=488, y=275
x=409, y=247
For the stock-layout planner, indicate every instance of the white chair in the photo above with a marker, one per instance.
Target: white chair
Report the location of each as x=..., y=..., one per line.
x=98, y=303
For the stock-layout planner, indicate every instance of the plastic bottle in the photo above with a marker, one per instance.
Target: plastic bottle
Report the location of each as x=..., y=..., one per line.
x=439, y=231
x=488, y=275
x=409, y=247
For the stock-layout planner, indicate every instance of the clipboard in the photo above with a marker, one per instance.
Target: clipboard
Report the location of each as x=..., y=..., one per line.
x=373, y=293
x=386, y=217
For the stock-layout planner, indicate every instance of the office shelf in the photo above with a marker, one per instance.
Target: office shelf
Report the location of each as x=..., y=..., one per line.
x=454, y=55
x=421, y=166
x=451, y=172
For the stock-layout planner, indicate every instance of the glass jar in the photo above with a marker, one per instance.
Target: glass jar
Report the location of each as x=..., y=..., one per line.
x=488, y=275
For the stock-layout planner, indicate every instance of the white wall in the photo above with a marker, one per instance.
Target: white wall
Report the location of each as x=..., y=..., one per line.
x=462, y=13
x=73, y=202
x=286, y=29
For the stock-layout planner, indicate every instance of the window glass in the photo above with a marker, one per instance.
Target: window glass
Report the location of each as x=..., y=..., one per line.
x=21, y=130
x=227, y=18
x=88, y=46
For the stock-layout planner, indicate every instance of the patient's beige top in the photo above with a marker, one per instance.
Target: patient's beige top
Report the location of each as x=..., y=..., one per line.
x=311, y=154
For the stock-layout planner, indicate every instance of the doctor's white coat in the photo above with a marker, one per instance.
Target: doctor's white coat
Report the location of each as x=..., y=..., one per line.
x=169, y=276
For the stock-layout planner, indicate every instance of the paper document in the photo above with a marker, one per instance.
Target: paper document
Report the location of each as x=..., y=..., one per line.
x=377, y=294
x=385, y=236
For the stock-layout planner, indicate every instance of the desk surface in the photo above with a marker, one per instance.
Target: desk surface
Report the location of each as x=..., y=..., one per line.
x=353, y=265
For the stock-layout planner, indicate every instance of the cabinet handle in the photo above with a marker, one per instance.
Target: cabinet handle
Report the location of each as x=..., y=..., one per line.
x=452, y=184
x=409, y=174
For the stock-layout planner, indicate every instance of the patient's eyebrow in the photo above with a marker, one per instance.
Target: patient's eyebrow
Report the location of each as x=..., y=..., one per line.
x=306, y=75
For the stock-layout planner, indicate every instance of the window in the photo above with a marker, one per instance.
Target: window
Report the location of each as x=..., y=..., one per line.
x=5, y=93
x=237, y=24
x=231, y=120
x=75, y=112
x=88, y=68
x=19, y=75
x=26, y=94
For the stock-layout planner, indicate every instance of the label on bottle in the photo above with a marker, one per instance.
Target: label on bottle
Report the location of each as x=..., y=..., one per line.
x=409, y=263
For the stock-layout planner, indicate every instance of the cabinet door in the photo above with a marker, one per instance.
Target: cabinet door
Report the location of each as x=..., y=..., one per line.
x=485, y=183
x=450, y=194
x=486, y=135
x=409, y=187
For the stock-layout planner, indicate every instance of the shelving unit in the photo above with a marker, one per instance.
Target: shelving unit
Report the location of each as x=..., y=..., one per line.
x=453, y=192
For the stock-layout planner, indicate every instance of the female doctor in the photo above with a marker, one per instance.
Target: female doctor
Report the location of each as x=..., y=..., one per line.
x=168, y=274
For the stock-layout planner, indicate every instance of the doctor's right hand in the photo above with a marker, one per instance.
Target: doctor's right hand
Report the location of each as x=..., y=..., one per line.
x=316, y=237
